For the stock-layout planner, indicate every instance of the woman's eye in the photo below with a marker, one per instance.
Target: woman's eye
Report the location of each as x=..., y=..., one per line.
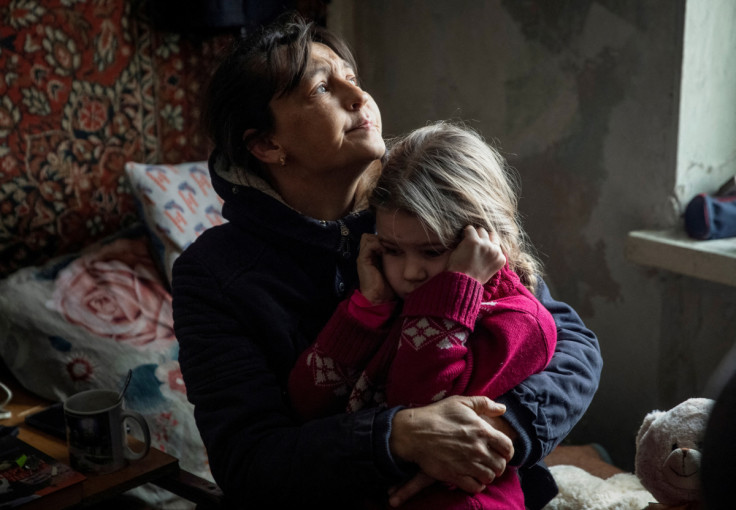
x=392, y=252
x=321, y=88
x=353, y=80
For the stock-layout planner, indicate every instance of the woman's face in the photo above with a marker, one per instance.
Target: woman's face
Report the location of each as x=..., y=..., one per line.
x=328, y=122
x=411, y=255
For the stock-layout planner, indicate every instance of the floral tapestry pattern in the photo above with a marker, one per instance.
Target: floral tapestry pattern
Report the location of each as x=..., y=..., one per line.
x=85, y=86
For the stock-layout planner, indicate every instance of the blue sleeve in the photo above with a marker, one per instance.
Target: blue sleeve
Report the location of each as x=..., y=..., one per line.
x=546, y=406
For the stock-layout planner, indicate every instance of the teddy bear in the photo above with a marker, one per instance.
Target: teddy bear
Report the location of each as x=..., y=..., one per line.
x=668, y=452
x=666, y=473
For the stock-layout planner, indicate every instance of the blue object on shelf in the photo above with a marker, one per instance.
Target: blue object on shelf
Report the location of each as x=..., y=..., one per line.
x=711, y=217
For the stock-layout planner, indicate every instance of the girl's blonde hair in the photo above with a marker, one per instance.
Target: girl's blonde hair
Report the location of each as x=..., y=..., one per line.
x=449, y=177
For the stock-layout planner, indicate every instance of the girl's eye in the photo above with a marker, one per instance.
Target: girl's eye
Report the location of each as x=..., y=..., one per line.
x=431, y=254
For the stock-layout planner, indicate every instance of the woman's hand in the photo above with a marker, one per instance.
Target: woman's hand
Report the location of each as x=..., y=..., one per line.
x=373, y=284
x=451, y=441
x=478, y=255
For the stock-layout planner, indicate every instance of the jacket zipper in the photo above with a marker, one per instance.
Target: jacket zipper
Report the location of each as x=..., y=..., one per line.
x=344, y=247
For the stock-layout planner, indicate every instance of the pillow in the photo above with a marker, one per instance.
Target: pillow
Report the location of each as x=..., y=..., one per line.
x=177, y=203
x=82, y=321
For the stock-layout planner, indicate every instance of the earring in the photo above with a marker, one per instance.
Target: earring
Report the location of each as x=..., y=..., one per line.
x=282, y=160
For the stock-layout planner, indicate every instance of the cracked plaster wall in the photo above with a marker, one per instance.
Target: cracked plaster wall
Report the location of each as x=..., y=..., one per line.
x=583, y=99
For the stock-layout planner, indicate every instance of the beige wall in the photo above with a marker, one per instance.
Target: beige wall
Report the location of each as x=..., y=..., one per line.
x=583, y=97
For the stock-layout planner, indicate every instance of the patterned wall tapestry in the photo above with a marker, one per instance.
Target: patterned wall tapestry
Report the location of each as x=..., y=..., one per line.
x=86, y=85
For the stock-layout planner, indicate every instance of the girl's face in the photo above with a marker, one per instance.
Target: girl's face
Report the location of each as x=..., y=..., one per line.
x=411, y=256
x=328, y=123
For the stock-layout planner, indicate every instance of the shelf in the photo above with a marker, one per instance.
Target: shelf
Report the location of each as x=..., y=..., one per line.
x=674, y=251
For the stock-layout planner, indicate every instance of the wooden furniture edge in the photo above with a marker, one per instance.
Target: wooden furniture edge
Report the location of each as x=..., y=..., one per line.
x=207, y=495
x=170, y=476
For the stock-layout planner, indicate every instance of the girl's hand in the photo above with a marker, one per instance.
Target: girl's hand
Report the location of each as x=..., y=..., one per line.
x=478, y=255
x=398, y=494
x=373, y=284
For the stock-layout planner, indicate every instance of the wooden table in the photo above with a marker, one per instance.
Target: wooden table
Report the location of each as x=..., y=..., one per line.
x=156, y=467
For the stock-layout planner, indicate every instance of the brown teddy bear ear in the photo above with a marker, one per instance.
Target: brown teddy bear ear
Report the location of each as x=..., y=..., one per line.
x=648, y=420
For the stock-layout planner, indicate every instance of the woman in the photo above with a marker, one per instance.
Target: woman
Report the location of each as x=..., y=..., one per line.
x=296, y=138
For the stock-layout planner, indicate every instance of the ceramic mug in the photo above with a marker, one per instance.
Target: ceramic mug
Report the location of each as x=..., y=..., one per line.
x=97, y=434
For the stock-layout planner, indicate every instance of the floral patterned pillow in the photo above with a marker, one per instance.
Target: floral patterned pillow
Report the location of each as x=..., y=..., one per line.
x=177, y=202
x=82, y=321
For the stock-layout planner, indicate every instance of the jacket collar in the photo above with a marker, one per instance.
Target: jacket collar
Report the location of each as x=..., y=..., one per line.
x=253, y=205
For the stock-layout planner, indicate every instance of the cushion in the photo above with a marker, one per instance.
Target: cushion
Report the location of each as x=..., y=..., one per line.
x=177, y=203
x=81, y=321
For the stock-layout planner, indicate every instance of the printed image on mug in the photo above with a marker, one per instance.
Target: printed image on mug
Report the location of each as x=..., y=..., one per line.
x=97, y=433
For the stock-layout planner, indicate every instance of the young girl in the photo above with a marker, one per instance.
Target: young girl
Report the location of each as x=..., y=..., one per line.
x=445, y=305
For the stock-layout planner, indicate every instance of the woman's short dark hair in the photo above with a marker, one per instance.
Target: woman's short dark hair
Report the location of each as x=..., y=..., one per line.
x=267, y=63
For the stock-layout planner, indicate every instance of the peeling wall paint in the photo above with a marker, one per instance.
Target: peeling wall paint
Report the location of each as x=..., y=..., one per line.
x=583, y=99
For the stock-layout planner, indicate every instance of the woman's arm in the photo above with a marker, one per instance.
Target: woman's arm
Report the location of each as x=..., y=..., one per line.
x=546, y=406
x=542, y=410
x=259, y=453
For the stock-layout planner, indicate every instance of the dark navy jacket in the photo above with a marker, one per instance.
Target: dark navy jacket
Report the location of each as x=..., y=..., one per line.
x=250, y=295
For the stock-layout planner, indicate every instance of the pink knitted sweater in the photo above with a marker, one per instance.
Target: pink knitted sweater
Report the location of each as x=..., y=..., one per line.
x=453, y=336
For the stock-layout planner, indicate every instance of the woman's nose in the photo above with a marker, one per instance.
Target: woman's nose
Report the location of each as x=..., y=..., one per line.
x=355, y=97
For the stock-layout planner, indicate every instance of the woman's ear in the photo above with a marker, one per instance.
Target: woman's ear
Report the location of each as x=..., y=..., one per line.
x=263, y=148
